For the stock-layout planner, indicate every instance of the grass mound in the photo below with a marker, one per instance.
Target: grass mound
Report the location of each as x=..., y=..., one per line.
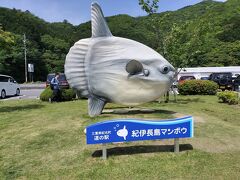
x=40, y=140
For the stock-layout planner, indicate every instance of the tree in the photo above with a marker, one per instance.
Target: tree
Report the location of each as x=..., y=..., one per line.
x=155, y=23
x=54, y=53
x=205, y=34
x=149, y=6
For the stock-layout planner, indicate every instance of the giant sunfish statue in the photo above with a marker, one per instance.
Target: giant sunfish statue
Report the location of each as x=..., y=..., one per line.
x=105, y=68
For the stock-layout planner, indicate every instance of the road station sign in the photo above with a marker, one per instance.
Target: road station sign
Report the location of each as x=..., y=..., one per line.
x=126, y=130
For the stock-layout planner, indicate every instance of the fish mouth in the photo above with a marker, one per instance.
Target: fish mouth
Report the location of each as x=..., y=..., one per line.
x=172, y=76
x=152, y=81
x=161, y=74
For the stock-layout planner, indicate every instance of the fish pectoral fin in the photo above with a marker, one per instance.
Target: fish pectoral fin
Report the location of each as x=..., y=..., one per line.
x=99, y=24
x=95, y=106
x=134, y=67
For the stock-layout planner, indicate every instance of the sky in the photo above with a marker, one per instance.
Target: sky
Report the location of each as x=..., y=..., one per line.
x=78, y=11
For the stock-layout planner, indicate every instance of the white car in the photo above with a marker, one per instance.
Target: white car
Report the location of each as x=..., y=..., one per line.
x=8, y=86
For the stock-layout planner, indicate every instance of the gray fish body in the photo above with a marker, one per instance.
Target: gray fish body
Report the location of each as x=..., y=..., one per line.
x=105, y=68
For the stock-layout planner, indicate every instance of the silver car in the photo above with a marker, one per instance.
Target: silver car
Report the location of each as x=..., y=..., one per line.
x=8, y=86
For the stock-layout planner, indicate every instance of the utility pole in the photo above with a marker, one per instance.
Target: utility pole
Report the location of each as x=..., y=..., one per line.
x=25, y=57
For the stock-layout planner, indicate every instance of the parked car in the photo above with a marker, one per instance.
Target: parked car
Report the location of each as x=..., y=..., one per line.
x=185, y=78
x=236, y=84
x=8, y=86
x=224, y=80
x=62, y=80
x=204, y=78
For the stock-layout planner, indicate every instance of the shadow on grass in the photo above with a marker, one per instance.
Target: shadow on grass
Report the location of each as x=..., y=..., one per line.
x=136, y=111
x=115, y=107
x=117, y=151
x=189, y=100
x=20, y=108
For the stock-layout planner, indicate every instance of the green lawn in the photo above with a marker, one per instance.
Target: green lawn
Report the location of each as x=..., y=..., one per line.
x=39, y=140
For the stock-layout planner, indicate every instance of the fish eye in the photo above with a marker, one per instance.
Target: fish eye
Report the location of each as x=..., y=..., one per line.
x=134, y=67
x=146, y=72
x=165, y=69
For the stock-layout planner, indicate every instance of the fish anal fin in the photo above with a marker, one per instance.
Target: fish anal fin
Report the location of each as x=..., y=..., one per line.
x=95, y=106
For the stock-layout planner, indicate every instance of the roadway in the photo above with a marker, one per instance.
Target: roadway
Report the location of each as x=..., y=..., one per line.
x=26, y=94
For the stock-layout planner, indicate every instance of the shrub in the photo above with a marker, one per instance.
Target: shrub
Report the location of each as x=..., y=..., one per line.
x=229, y=97
x=46, y=94
x=66, y=94
x=198, y=87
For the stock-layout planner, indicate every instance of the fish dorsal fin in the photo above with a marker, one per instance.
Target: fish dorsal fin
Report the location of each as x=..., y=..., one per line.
x=99, y=24
x=95, y=106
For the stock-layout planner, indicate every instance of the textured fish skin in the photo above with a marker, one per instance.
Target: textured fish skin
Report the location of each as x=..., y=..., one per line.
x=96, y=68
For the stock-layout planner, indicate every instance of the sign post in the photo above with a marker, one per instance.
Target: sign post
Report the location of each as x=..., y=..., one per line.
x=104, y=152
x=126, y=130
x=176, y=145
x=31, y=71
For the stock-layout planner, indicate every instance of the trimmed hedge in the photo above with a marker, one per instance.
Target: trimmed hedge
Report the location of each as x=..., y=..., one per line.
x=198, y=87
x=229, y=97
x=66, y=94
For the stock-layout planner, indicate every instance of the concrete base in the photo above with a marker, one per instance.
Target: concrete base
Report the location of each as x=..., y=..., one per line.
x=128, y=110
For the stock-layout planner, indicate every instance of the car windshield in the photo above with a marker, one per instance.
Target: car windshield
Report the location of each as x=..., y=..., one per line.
x=228, y=76
x=223, y=76
x=4, y=79
x=186, y=78
x=50, y=76
x=62, y=77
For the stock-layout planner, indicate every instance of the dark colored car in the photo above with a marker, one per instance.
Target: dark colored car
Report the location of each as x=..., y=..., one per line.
x=236, y=84
x=224, y=80
x=62, y=80
x=185, y=78
x=204, y=78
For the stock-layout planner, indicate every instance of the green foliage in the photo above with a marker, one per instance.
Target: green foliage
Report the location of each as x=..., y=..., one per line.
x=229, y=97
x=47, y=141
x=150, y=6
x=198, y=87
x=47, y=44
x=54, y=53
x=66, y=94
x=6, y=38
x=205, y=34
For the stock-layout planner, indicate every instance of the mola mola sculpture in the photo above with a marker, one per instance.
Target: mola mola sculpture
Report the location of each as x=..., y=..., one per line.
x=105, y=68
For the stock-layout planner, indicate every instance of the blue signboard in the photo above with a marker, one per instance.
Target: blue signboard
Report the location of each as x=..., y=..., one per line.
x=125, y=130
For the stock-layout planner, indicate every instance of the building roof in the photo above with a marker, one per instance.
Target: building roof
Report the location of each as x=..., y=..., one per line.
x=233, y=69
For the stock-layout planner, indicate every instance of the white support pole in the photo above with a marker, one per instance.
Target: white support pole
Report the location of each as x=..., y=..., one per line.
x=176, y=145
x=104, y=152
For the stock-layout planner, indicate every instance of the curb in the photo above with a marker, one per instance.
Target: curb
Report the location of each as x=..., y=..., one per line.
x=33, y=86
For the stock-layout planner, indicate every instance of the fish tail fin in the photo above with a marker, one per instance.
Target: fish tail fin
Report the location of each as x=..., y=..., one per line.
x=75, y=67
x=95, y=106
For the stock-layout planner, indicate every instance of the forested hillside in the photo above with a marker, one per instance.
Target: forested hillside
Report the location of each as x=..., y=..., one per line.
x=206, y=34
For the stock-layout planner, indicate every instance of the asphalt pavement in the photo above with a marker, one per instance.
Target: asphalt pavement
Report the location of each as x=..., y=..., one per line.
x=26, y=94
